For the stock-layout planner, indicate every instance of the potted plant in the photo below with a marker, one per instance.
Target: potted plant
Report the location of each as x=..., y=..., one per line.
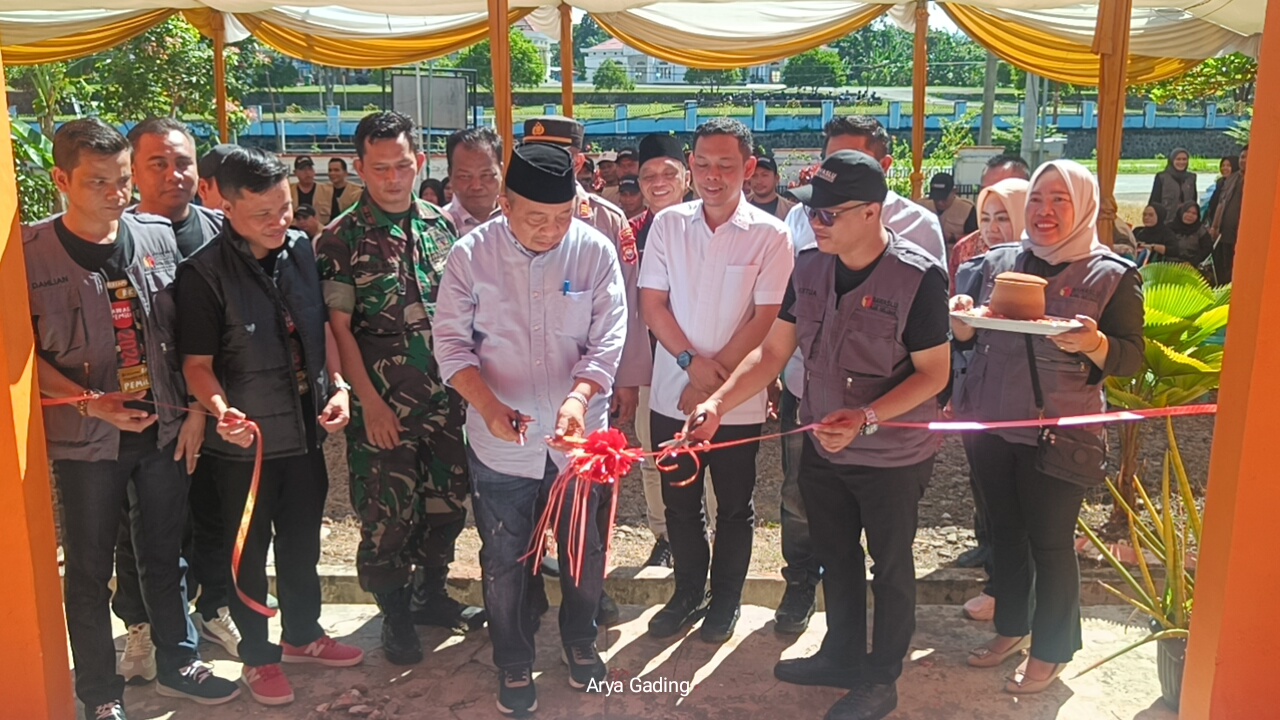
x=1170, y=534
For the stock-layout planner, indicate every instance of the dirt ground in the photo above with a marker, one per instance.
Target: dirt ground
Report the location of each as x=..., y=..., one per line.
x=946, y=512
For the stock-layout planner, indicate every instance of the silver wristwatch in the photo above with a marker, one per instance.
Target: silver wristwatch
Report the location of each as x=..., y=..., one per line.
x=873, y=423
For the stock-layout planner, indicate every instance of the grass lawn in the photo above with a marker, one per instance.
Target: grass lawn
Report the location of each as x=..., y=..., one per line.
x=1155, y=165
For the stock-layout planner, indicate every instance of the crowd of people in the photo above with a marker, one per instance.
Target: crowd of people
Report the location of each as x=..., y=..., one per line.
x=464, y=334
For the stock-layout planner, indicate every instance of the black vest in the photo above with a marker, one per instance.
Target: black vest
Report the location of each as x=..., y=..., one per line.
x=254, y=363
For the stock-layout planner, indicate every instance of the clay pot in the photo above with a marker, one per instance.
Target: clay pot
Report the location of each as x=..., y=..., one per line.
x=1018, y=296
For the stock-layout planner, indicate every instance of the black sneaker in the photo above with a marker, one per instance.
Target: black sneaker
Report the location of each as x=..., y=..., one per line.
x=608, y=614
x=443, y=611
x=113, y=710
x=584, y=664
x=197, y=683
x=660, y=556
x=974, y=557
x=517, y=695
x=718, y=625
x=866, y=701
x=550, y=566
x=816, y=670
x=797, y=606
x=684, y=609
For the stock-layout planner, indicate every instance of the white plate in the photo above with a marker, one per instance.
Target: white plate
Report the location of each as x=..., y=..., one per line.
x=978, y=318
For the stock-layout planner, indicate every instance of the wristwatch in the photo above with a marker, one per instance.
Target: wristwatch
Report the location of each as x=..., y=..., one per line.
x=341, y=385
x=685, y=359
x=873, y=423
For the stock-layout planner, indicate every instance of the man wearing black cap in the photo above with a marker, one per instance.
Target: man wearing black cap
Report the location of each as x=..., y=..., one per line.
x=306, y=220
x=303, y=189
x=629, y=197
x=881, y=354
x=958, y=216
x=587, y=174
x=764, y=188
x=530, y=325
x=628, y=163
x=207, y=169
x=608, y=165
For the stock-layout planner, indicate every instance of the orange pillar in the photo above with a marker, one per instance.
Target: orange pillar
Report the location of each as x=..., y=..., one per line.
x=919, y=79
x=566, y=60
x=220, y=76
x=34, y=682
x=500, y=58
x=1230, y=671
x=1111, y=45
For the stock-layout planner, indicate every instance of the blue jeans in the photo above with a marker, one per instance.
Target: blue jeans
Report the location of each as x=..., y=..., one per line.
x=797, y=548
x=91, y=495
x=507, y=510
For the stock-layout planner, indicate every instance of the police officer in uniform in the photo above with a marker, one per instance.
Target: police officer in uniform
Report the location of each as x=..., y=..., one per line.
x=637, y=355
x=869, y=312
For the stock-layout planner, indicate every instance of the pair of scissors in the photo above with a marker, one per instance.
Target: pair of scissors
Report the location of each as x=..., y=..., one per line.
x=519, y=427
x=682, y=443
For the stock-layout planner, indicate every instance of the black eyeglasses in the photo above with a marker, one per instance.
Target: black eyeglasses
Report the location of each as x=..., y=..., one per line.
x=828, y=217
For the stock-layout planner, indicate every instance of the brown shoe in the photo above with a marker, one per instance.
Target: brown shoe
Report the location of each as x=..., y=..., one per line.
x=1020, y=684
x=984, y=657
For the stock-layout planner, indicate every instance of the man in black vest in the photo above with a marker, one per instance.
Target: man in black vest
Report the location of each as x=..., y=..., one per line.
x=869, y=312
x=252, y=337
x=102, y=315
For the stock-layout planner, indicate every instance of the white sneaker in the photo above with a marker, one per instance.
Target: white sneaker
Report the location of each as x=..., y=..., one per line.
x=138, y=663
x=221, y=630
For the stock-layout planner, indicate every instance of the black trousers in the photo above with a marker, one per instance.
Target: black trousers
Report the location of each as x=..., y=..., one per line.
x=734, y=478
x=981, y=525
x=1033, y=518
x=290, y=502
x=204, y=547
x=843, y=501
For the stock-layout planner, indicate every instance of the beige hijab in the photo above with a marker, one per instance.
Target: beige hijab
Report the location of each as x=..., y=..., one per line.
x=1013, y=193
x=1082, y=239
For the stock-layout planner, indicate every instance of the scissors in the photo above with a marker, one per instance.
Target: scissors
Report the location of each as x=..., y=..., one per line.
x=519, y=427
x=683, y=440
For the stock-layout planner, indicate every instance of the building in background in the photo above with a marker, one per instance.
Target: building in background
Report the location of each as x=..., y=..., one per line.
x=646, y=70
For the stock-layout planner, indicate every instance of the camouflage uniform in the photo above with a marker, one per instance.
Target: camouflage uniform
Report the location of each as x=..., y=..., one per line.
x=409, y=498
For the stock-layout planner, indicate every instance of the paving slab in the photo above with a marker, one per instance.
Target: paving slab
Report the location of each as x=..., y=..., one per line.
x=686, y=679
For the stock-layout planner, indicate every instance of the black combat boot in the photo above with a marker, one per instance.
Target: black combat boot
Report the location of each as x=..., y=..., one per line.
x=432, y=604
x=400, y=641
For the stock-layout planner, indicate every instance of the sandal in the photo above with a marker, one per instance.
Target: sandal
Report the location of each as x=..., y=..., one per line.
x=1020, y=684
x=984, y=657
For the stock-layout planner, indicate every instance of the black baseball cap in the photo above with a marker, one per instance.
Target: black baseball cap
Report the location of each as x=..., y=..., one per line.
x=768, y=163
x=941, y=186
x=626, y=154
x=302, y=212
x=629, y=184
x=208, y=165
x=302, y=162
x=845, y=176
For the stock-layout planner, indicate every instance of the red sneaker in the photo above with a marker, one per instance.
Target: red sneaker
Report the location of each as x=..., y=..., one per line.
x=325, y=651
x=267, y=684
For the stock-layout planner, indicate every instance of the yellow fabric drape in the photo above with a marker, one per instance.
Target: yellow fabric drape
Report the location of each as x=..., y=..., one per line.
x=1050, y=56
x=919, y=83
x=81, y=44
x=1111, y=44
x=683, y=48
x=380, y=53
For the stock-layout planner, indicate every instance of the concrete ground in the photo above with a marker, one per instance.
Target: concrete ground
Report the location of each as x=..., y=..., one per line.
x=729, y=682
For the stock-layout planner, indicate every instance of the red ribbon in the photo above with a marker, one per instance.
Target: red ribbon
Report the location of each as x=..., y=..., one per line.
x=246, y=518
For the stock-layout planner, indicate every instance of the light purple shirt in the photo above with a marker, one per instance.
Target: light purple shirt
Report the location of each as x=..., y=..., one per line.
x=506, y=311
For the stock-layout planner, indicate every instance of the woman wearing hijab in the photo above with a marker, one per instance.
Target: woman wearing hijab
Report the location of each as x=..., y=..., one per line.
x=1001, y=212
x=1175, y=184
x=1154, y=235
x=1033, y=483
x=1192, y=242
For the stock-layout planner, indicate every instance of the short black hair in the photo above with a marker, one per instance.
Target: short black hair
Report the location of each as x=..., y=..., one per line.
x=385, y=125
x=726, y=126
x=340, y=161
x=161, y=126
x=479, y=138
x=863, y=126
x=89, y=134
x=1014, y=161
x=250, y=169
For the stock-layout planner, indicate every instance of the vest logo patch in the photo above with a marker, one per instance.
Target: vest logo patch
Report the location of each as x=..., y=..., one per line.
x=806, y=291
x=1083, y=293
x=250, y=328
x=880, y=305
x=41, y=284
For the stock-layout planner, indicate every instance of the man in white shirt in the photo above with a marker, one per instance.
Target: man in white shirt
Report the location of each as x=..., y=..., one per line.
x=712, y=279
x=910, y=222
x=475, y=174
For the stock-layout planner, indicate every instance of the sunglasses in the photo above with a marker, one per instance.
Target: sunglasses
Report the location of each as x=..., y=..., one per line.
x=828, y=217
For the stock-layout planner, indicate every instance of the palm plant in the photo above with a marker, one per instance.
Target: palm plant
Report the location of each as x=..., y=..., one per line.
x=1183, y=359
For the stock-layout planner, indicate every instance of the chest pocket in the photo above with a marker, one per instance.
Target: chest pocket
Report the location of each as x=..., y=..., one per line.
x=739, y=285
x=60, y=325
x=870, y=344
x=573, y=315
x=379, y=295
x=808, y=312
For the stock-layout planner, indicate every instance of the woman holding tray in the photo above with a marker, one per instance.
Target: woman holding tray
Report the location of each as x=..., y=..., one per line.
x=1033, y=481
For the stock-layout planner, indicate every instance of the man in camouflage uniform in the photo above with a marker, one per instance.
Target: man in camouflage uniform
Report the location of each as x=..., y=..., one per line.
x=636, y=367
x=380, y=265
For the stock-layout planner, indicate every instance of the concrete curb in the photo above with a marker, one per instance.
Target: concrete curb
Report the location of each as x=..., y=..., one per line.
x=652, y=586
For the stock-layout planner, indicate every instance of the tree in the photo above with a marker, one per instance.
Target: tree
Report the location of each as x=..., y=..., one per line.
x=815, y=68
x=1230, y=76
x=52, y=86
x=713, y=78
x=612, y=76
x=527, y=68
x=882, y=54
x=588, y=34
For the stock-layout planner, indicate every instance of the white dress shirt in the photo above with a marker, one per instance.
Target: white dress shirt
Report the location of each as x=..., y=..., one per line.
x=532, y=323
x=910, y=221
x=714, y=281
x=462, y=219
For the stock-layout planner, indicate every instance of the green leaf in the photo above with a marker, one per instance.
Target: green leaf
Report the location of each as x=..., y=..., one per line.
x=1180, y=301
x=1125, y=399
x=1222, y=294
x=1208, y=324
x=1167, y=362
x=1173, y=274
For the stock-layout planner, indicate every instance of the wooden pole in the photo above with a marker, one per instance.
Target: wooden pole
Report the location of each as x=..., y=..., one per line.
x=1111, y=45
x=220, y=76
x=1230, y=668
x=500, y=57
x=566, y=59
x=37, y=684
x=919, y=79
